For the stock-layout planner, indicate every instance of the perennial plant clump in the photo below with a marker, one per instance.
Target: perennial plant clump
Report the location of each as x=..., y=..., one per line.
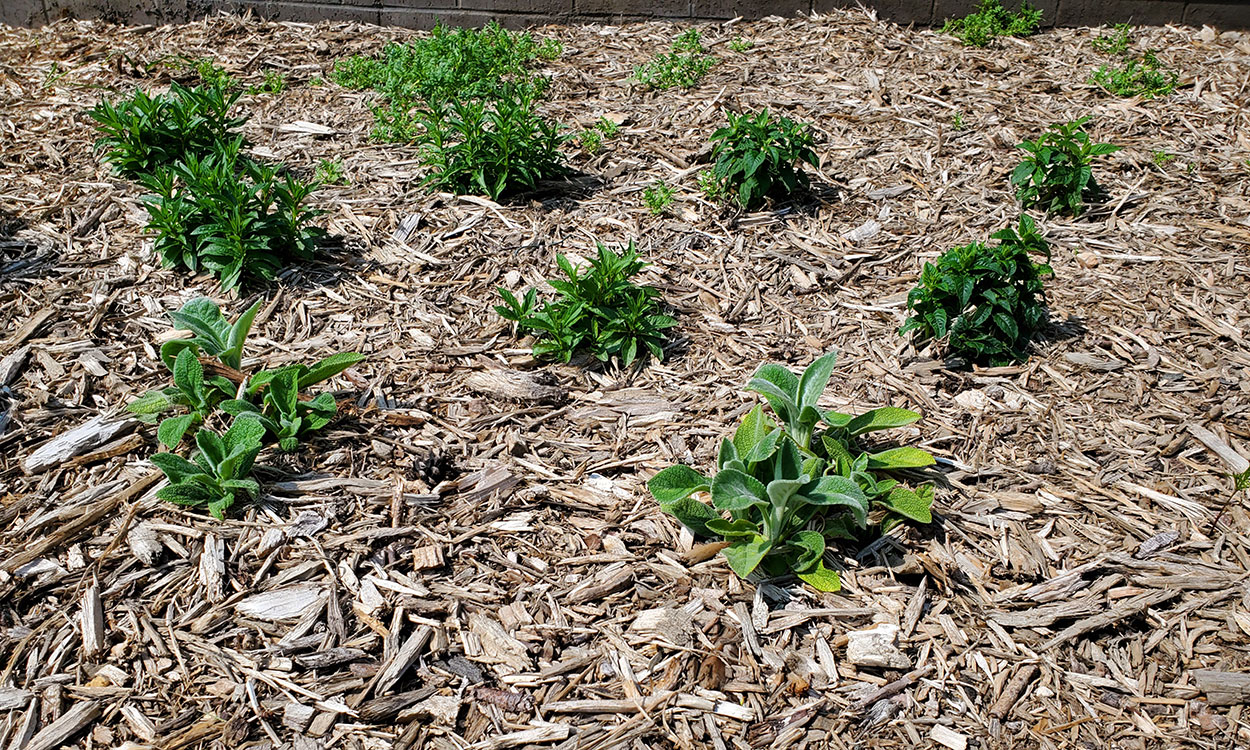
x=599, y=310
x=1057, y=172
x=985, y=302
x=785, y=485
x=991, y=20
x=757, y=156
x=682, y=67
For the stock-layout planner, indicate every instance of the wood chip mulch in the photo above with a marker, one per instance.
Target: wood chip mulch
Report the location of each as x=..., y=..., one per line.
x=447, y=567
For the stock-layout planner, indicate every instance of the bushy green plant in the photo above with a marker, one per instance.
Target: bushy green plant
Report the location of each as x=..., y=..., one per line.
x=449, y=65
x=684, y=66
x=782, y=489
x=987, y=302
x=658, y=198
x=757, y=157
x=1057, y=174
x=274, y=83
x=330, y=172
x=991, y=20
x=229, y=215
x=738, y=44
x=1115, y=43
x=599, y=310
x=495, y=148
x=219, y=472
x=1143, y=77
x=270, y=397
x=142, y=134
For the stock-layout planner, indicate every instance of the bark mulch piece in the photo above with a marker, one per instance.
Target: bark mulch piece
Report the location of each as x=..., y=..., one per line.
x=446, y=568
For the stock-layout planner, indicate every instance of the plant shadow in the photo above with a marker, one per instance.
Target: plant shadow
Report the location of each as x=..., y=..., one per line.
x=338, y=258
x=21, y=255
x=1062, y=330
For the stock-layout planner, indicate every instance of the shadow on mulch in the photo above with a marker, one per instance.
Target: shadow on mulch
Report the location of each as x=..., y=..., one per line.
x=338, y=258
x=1063, y=330
x=22, y=257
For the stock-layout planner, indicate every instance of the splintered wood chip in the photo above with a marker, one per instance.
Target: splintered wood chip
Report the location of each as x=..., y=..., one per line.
x=286, y=603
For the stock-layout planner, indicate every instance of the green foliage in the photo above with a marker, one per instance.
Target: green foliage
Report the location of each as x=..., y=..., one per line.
x=658, y=198
x=991, y=20
x=684, y=66
x=1056, y=174
x=219, y=471
x=781, y=489
x=1142, y=77
x=711, y=188
x=274, y=83
x=330, y=172
x=1161, y=158
x=988, y=302
x=755, y=157
x=229, y=215
x=448, y=66
x=957, y=121
x=496, y=148
x=266, y=404
x=210, y=73
x=1117, y=42
x=607, y=127
x=142, y=134
x=738, y=44
x=591, y=139
x=599, y=310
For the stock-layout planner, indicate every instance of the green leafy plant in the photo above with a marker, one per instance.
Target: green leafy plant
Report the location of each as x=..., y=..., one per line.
x=683, y=67
x=1117, y=42
x=991, y=20
x=986, y=302
x=451, y=65
x=782, y=489
x=496, y=148
x=190, y=390
x=711, y=188
x=1056, y=174
x=1241, y=483
x=218, y=473
x=599, y=310
x=273, y=83
x=229, y=215
x=957, y=121
x=1161, y=158
x=330, y=172
x=658, y=198
x=142, y=134
x=1143, y=77
x=591, y=140
x=756, y=157
x=607, y=127
x=738, y=44
x=210, y=73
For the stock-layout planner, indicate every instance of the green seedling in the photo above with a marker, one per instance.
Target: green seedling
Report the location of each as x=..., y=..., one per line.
x=1143, y=77
x=683, y=67
x=1117, y=42
x=985, y=302
x=738, y=44
x=1056, y=174
x=330, y=172
x=658, y=198
x=274, y=83
x=781, y=490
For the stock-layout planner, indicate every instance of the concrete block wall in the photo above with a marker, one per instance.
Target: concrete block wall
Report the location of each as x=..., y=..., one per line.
x=1225, y=14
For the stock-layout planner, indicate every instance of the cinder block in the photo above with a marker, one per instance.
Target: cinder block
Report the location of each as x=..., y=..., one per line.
x=718, y=9
x=1231, y=15
x=1099, y=12
x=633, y=8
x=903, y=12
x=944, y=10
x=535, y=7
x=293, y=10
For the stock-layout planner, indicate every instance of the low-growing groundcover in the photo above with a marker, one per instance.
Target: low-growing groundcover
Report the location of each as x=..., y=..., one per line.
x=784, y=486
x=991, y=20
x=984, y=303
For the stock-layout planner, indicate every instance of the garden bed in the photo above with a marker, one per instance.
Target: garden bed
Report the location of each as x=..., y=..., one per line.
x=446, y=567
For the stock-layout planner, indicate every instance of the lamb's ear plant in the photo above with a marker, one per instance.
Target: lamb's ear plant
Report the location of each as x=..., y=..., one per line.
x=190, y=391
x=214, y=335
x=779, y=493
x=218, y=473
x=1057, y=173
x=283, y=415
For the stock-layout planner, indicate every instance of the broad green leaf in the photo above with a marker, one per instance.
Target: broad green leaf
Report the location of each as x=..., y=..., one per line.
x=733, y=530
x=900, y=458
x=677, y=483
x=235, y=407
x=250, y=487
x=212, y=448
x=185, y=494
x=885, y=418
x=189, y=376
x=915, y=504
x=175, y=467
x=781, y=490
x=814, y=380
x=745, y=556
x=822, y=579
x=202, y=317
x=244, y=434
x=810, y=546
x=735, y=490
x=755, y=426
x=172, y=430
x=764, y=449
x=835, y=490
x=152, y=402
x=284, y=392
x=728, y=454
x=219, y=506
x=328, y=368
x=692, y=514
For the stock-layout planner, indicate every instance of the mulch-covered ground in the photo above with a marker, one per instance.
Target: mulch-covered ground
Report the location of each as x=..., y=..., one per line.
x=446, y=567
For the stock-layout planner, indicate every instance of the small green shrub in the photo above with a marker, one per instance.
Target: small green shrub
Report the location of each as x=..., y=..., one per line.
x=607, y=127
x=1056, y=174
x=1117, y=42
x=229, y=215
x=658, y=198
x=781, y=489
x=756, y=157
x=142, y=134
x=495, y=148
x=683, y=67
x=590, y=140
x=1161, y=158
x=273, y=83
x=991, y=20
x=330, y=172
x=957, y=121
x=738, y=44
x=987, y=302
x=599, y=310
x=1142, y=77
